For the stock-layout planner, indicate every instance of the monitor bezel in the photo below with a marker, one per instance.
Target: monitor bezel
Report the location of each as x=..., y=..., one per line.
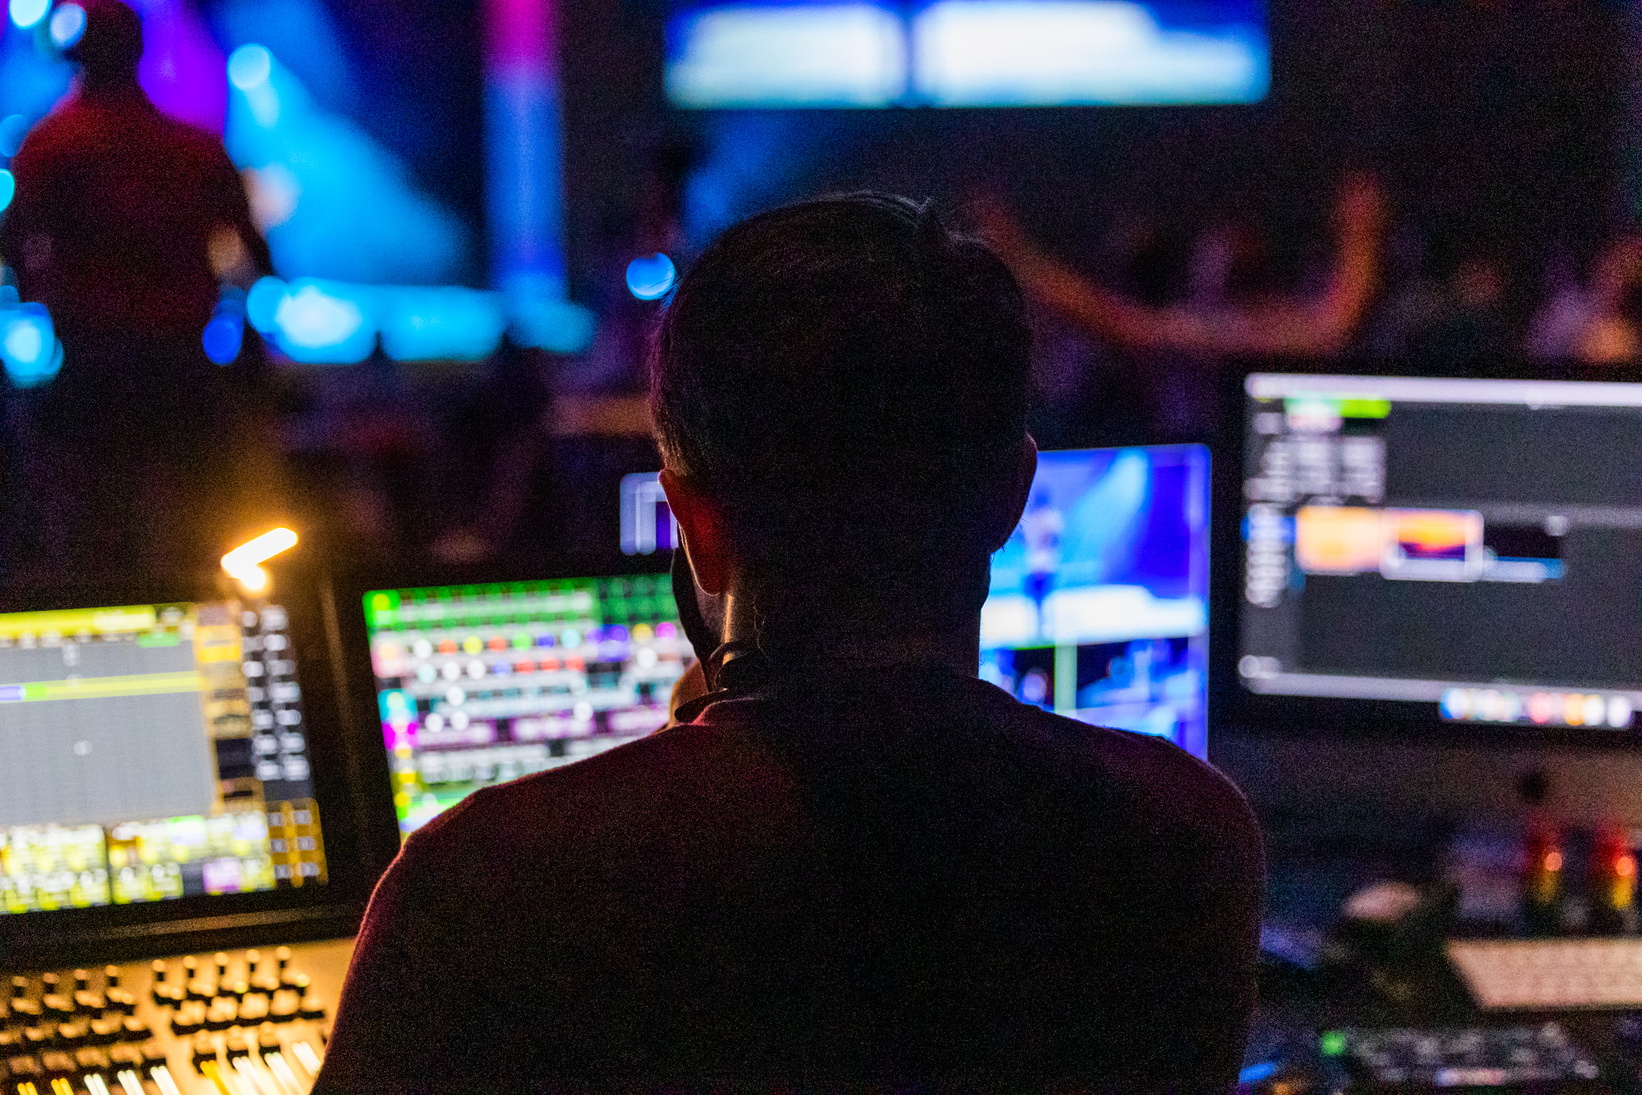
x=1236, y=711
x=382, y=840
x=202, y=922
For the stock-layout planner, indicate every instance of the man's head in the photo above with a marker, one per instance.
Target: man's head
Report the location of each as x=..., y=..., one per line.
x=112, y=43
x=840, y=391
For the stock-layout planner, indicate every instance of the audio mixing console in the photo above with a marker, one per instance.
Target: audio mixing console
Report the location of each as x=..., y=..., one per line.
x=230, y=1023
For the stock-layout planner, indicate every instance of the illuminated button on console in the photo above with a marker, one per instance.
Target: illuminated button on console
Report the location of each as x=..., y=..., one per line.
x=223, y=1013
x=312, y=1007
x=253, y=1009
x=284, y=1007
x=90, y=1058
x=104, y=1031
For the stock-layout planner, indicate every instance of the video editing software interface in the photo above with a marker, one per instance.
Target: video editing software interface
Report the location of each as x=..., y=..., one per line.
x=150, y=752
x=480, y=684
x=1470, y=545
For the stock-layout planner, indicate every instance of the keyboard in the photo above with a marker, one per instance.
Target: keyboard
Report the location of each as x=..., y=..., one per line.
x=1550, y=974
x=1464, y=1057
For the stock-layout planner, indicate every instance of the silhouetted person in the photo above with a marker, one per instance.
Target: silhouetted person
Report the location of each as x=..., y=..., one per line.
x=852, y=864
x=125, y=225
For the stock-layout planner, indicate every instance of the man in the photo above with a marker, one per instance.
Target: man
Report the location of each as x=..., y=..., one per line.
x=852, y=865
x=125, y=224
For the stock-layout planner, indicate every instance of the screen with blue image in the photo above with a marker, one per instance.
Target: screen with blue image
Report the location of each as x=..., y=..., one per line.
x=966, y=53
x=1099, y=601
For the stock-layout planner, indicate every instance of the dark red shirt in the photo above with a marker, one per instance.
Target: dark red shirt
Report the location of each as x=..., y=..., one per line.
x=112, y=221
x=901, y=878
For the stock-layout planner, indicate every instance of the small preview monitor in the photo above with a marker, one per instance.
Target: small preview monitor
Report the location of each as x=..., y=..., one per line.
x=1462, y=550
x=480, y=684
x=150, y=752
x=647, y=522
x=1099, y=601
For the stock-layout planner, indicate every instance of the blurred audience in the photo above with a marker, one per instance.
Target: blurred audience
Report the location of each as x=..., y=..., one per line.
x=1596, y=322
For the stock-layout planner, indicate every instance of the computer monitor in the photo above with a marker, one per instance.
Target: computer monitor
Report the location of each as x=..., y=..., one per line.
x=476, y=684
x=1441, y=592
x=1099, y=601
x=1469, y=548
x=158, y=763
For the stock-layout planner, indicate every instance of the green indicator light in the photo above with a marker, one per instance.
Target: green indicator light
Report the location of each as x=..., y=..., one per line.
x=1332, y=1043
x=1365, y=407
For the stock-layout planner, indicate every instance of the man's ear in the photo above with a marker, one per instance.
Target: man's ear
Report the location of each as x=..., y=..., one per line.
x=1012, y=505
x=706, y=540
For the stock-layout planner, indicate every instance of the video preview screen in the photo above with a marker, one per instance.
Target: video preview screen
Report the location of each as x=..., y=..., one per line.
x=967, y=53
x=1470, y=545
x=480, y=684
x=1099, y=601
x=150, y=752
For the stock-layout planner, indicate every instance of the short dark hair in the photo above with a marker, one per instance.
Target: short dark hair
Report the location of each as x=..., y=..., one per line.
x=849, y=379
x=112, y=42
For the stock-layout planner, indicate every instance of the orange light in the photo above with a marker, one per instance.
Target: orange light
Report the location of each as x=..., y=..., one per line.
x=1553, y=861
x=1626, y=867
x=244, y=563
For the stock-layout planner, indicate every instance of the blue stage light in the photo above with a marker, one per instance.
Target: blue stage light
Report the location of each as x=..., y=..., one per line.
x=223, y=337
x=26, y=13
x=262, y=303
x=444, y=323
x=28, y=345
x=8, y=187
x=650, y=276
x=68, y=22
x=225, y=332
x=249, y=66
x=12, y=131
x=325, y=323
x=551, y=324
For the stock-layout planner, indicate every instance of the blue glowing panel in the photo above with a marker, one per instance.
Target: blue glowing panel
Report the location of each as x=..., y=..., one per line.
x=807, y=54
x=1099, y=601
x=965, y=53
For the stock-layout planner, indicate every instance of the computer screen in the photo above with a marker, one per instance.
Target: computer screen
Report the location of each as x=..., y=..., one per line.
x=151, y=752
x=966, y=53
x=1099, y=601
x=1464, y=550
x=479, y=684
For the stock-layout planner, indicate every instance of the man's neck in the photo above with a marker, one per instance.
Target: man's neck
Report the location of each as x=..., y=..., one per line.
x=110, y=88
x=872, y=644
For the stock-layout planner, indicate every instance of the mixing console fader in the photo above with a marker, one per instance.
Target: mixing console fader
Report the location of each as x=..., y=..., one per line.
x=232, y=1023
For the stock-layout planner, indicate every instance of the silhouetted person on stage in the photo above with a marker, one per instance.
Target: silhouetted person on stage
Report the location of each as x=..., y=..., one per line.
x=125, y=224
x=851, y=864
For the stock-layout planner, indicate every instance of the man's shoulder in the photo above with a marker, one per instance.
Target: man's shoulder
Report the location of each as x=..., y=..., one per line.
x=686, y=783
x=1161, y=786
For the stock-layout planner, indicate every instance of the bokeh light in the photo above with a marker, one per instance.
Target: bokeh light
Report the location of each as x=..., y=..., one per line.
x=222, y=338
x=12, y=131
x=650, y=276
x=68, y=22
x=249, y=66
x=8, y=188
x=28, y=345
x=262, y=303
x=26, y=13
